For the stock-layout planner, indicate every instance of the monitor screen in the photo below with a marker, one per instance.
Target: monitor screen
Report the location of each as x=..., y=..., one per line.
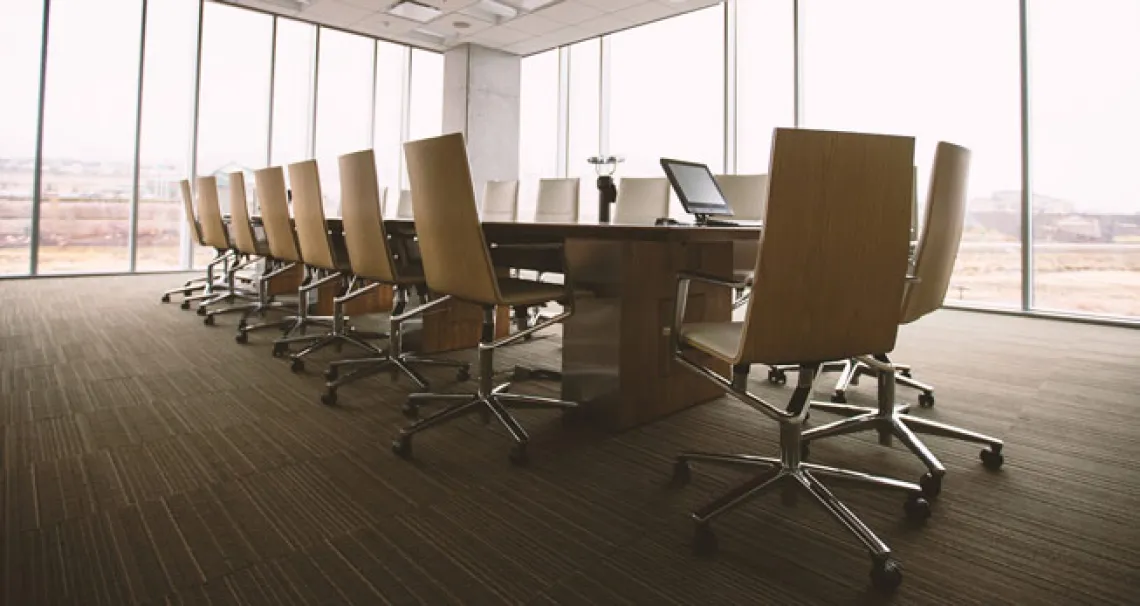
x=696, y=188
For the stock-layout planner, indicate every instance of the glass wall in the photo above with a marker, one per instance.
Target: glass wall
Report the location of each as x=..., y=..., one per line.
x=344, y=106
x=89, y=146
x=666, y=98
x=293, y=72
x=1084, y=102
x=166, y=132
x=538, y=127
x=940, y=89
x=765, y=79
x=583, y=138
x=20, y=46
x=388, y=137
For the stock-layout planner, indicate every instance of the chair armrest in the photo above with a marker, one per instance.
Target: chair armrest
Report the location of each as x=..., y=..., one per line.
x=913, y=279
x=706, y=278
x=682, y=299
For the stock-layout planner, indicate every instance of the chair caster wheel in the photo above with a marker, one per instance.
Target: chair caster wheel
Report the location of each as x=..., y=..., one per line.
x=906, y=373
x=926, y=400
x=463, y=374
x=777, y=377
x=931, y=485
x=992, y=458
x=298, y=365
x=839, y=397
x=528, y=337
x=208, y=320
x=704, y=540
x=681, y=472
x=410, y=410
x=185, y=305
x=402, y=446
x=166, y=298
x=201, y=311
x=329, y=398
x=518, y=455
x=886, y=574
x=331, y=374
x=241, y=338
x=279, y=350
x=917, y=508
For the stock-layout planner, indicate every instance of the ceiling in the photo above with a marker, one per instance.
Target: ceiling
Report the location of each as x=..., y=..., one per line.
x=522, y=27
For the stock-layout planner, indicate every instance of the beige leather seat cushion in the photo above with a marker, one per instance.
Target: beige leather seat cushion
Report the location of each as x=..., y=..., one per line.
x=528, y=292
x=719, y=339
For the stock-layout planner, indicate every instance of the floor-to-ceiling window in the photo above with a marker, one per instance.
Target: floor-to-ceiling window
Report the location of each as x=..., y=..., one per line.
x=940, y=70
x=293, y=71
x=20, y=46
x=425, y=98
x=583, y=136
x=765, y=79
x=167, y=129
x=667, y=97
x=344, y=105
x=1084, y=119
x=538, y=126
x=391, y=74
x=90, y=103
x=233, y=113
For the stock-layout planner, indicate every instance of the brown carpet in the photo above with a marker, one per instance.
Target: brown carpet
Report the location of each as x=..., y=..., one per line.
x=150, y=459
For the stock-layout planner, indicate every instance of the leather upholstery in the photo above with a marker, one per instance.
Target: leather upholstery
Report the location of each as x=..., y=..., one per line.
x=241, y=230
x=557, y=201
x=309, y=215
x=274, y=208
x=210, y=214
x=364, y=234
x=941, y=231
x=641, y=201
x=501, y=201
x=188, y=208
x=404, y=208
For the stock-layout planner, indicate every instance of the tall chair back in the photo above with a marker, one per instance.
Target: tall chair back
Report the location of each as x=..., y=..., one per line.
x=641, y=200
x=834, y=248
x=404, y=208
x=210, y=214
x=941, y=231
x=557, y=201
x=452, y=246
x=748, y=197
x=501, y=201
x=188, y=208
x=309, y=215
x=274, y=205
x=364, y=235
x=241, y=230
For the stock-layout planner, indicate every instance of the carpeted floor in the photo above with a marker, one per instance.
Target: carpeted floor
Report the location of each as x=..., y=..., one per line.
x=150, y=459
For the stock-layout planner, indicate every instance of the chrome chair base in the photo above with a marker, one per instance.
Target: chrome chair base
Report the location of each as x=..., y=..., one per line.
x=487, y=400
x=893, y=421
x=849, y=373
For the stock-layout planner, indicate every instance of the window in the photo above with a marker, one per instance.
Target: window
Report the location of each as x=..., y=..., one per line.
x=1084, y=95
x=344, y=105
x=857, y=77
x=765, y=79
x=538, y=128
x=90, y=104
x=583, y=139
x=20, y=44
x=667, y=99
x=425, y=99
x=292, y=92
x=391, y=70
x=233, y=110
x=167, y=127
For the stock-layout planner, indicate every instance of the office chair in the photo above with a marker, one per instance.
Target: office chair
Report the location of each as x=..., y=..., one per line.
x=557, y=201
x=801, y=310
x=283, y=246
x=215, y=235
x=457, y=264
x=404, y=208
x=371, y=259
x=934, y=263
x=500, y=201
x=205, y=283
x=748, y=197
x=322, y=264
x=641, y=201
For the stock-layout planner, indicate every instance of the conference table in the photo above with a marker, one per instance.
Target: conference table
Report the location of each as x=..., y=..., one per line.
x=616, y=358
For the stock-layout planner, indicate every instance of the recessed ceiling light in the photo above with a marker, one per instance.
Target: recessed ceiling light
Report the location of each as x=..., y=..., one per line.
x=410, y=9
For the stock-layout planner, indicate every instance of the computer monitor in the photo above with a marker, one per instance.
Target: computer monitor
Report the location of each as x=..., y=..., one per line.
x=698, y=191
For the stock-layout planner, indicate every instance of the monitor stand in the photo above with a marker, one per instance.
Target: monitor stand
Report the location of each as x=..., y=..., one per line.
x=705, y=221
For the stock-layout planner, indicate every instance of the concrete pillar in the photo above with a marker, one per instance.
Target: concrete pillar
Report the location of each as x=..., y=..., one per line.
x=481, y=100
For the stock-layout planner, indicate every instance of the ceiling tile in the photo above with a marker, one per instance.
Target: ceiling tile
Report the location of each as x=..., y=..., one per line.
x=644, y=13
x=604, y=24
x=535, y=24
x=457, y=25
x=610, y=6
x=371, y=5
x=334, y=12
x=498, y=37
x=449, y=6
x=569, y=12
x=383, y=24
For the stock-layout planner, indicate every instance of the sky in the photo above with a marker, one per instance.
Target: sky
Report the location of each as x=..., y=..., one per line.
x=937, y=69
